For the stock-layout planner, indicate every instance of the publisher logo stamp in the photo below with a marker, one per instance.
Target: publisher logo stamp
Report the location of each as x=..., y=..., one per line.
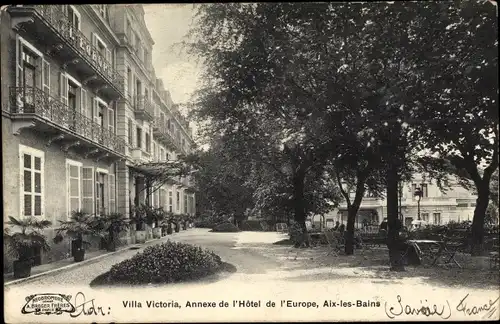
x=46, y=304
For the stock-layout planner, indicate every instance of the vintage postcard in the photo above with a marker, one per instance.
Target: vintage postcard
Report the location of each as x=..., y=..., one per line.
x=250, y=162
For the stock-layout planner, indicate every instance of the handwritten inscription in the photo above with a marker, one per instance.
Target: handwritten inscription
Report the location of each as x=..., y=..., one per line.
x=88, y=307
x=443, y=311
x=488, y=308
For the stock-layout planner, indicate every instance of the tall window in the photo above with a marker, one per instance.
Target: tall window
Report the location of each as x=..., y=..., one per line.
x=425, y=192
x=185, y=203
x=437, y=218
x=73, y=180
x=170, y=201
x=425, y=217
x=139, y=137
x=148, y=143
x=32, y=172
x=74, y=19
x=130, y=131
x=100, y=194
x=178, y=201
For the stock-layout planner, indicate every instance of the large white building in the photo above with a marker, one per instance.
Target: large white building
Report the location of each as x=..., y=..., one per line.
x=436, y=207
x=82, y=112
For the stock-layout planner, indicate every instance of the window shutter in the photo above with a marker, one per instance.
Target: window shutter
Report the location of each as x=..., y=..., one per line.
x=105, y=194
x=98, y=194
x=109, y=57
x=73, y=187
x=83, y=102
x=46, y=76
x=63, y=87
x=19, y=63
x=111, y=120
x=88, y=190
x=112, y=193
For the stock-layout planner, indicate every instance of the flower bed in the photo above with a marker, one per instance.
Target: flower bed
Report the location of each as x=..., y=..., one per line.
x=163, y=263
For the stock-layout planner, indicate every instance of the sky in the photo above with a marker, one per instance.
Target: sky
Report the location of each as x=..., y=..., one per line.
x=168, y=24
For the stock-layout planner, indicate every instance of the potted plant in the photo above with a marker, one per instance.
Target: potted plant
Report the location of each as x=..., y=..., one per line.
x=114, y=224
x=139, y=219
x=79, y=225
x=21, y=244
x=177, y=221
x=169, y=218
x=159, y=215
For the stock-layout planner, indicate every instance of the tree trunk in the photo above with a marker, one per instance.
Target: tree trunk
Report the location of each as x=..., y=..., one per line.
x=477, y=229
x=393, y=241
x=298, y=199
x=352, y=210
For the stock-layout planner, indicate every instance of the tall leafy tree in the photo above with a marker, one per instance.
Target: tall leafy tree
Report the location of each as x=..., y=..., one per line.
x=459, y=96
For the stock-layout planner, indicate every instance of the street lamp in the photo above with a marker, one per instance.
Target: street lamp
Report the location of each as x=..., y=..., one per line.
x=418, y=194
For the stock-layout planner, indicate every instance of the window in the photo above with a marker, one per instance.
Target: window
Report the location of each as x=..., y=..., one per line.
x=74, y=19
x=185, y=203
x=437, y=218
x=148, y=143
x=462, y=205
x=139, y=138
x=102, y=49
x=101, y=192
x=130, y=84
x=170, y=201
x=167, y=156
x=32, y=166
x=74, y=187
x=178, y=201
x=130, y=131
x=423, y=187
x=163, y=196
x=112, y=189
x=111, y=120
x=162, y=154
x=88, y=190
x=425, y=217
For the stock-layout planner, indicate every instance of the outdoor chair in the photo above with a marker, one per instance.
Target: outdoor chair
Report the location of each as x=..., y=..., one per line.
x=494, y=258
x=335, y=242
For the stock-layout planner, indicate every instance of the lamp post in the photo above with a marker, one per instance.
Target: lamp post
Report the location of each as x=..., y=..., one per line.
x=418, y=194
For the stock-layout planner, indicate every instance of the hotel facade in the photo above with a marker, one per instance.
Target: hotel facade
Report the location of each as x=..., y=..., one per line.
x=456, y=204
x=83, y=115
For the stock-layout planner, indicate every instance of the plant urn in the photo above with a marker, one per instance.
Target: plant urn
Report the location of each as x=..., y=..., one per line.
x=22, y=269
x=140, y=237
x=169, y=229
x=177, y=228
x=156, y=232
x=79, y=255
x=111, y=246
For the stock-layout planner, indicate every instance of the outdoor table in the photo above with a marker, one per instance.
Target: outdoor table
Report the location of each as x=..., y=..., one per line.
x=443, y=248
x=316, y=237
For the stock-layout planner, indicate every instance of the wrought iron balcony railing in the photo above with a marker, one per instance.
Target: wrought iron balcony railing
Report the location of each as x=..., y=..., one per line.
x=163, y=134
x=55, y=17
x=33, y=101
x=144, y=107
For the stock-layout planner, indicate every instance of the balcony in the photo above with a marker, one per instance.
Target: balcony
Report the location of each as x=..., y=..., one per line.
x=143, y=108
x=51, y=27
x=33, y=108
x=140, y=156
x=163, y=135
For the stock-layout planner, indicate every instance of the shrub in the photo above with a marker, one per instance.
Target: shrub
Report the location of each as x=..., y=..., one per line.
x=165, y=263
x=225, y=227
x=204, y=224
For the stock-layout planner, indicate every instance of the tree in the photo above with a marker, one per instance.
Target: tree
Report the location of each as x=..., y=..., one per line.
x=251, y=89
x=157, y=174
x=458, y=96
x=220, y=180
